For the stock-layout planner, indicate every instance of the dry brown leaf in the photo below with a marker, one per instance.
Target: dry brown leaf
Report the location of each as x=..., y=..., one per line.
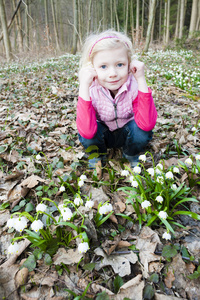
x=68, y=257
x=169, y=279
x=32, y=181
x=21, y=277
x=190, y=267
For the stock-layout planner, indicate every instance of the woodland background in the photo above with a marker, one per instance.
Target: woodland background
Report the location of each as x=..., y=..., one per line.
x=49, y=26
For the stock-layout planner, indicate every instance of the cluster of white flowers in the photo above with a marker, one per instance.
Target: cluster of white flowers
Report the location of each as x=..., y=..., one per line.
x=83, y=247
x=13, y=248
x=145, y=204
x=65, y=212
x=81, y=180
x=124, y=172
x=105, y=209
x=19, y=224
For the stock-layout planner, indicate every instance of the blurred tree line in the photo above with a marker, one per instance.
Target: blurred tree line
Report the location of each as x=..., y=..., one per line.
x=58, y=26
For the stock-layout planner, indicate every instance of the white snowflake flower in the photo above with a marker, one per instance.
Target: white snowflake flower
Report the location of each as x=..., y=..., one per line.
x=169, y=175
x=124, y=172
x=105, y=209
x=137, y=170
x=78, y=201
x=159, y=199
x=41, y=207
x=188, y=161
x=83, y=247
x=38, y=157
x=176, y=170
x=20, y=224
x=66, y=214
x=151, y=171
x=174, y=187
x=145, y=204
x=11, y=223
x=80, y=183
x=83, y=177
x=13, y=248
x=160, y=179
x=166, y=235
x=89, y=204
x=62, y=188
x=194, y=129
x=197, y=157
x=134, y=183
x=163, y=215
x=143, y=157
x=37, y=225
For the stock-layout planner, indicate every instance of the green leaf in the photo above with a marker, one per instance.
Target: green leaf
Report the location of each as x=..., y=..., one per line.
x=117, y=283
x=148, y=292
x=91, y=148
x=188, y=213
x=47, y=259
x=29, y=207
x=30, y=263
x=103, y=296
x=154, y=278
x=169, y=251
x=89, y=266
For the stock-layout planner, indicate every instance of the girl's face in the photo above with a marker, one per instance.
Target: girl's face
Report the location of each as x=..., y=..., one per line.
x=112, y=68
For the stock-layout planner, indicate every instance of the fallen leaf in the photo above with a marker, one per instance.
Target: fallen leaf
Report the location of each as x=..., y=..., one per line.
x=169, y=279
x=68, y=257
x=32, y=181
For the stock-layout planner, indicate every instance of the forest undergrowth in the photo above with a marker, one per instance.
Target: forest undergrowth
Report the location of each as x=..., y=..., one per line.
x=67, y=232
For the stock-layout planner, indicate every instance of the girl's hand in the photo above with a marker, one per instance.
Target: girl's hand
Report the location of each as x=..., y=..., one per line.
x=137, y=68
x=87, y=75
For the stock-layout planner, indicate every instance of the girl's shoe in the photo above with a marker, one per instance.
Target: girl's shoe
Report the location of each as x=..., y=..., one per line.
x=134, y=159
x=92, y=162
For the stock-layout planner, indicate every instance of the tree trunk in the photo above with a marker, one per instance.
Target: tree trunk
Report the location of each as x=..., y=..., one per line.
x=150, y=24
x=116, y=15
x=5, y=31
x=18, y=22
x=46, y=22
x=132, y=22
x=55, y=26
x=126, y=17
x=178, y=19
x=137, y=22
x=167, y=23
x=142, y=31
x=194, y=17
x=111, y=14
x=160, y=22
x=26, y=16
x=182, y=17
x=89, y=17
x=75, y=33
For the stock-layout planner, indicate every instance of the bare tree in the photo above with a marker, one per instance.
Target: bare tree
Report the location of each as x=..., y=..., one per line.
x=137, y=22
x=75, y=27
x=150, y=23
x=182, y=17
x=116, y=15
x=55, y=26
x=194, y=17
x=6, y=38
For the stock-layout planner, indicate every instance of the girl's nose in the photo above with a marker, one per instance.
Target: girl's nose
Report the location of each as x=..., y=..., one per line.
x=112, y=72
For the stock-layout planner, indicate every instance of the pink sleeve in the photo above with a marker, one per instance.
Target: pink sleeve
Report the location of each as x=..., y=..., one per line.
x=86, y=119
x=145, y=111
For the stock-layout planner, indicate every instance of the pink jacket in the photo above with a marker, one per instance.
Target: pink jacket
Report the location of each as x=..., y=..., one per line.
x=128, y=104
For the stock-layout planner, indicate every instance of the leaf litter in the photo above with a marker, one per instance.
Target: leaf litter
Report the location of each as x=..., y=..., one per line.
x=38, y=108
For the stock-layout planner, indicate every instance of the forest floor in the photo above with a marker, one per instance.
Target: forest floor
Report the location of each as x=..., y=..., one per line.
x=41, y=160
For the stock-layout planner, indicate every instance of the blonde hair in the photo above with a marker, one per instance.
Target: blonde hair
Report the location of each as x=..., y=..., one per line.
x=105, y=40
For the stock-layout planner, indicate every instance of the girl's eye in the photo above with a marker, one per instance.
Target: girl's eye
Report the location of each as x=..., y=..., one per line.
x=120, y=65
x=103, y=66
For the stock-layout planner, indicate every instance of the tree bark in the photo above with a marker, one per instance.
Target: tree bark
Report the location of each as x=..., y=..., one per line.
x=75, y=33
x=137, y=22
x=182, y=17
x=194, y=17
x=55, y=26
x=167, y=23
x=150, y=24
x=178, y=19
x=116, y=15
x=26, y=15
x=6, y=38
x=46, y=22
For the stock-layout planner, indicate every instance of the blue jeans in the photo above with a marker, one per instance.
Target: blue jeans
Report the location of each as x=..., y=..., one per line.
x=130, y=138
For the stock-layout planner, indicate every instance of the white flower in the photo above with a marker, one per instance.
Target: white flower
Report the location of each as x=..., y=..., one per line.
x=134, y=184
x=137, y=170
x=159, y=199
x=145, y=204
x=62, y=188
x=13, y=248
x=83, y=177
x=143, y=157
x=81, y=183
x=54, y=89
x=174, y=187
x=197, y=157
x=41, y=207
x=78, y=201
x=11, y=223
x=169, y=175
x=106, y=208
x=194, y=129
x=83, y=247
x=163, y=215
x=166, y=235
x=124, y=172
x=151, y=171
x=188, y=162
x=66, y=213
x=38, y=157
x=37, y=225
x=20, y=224
x=176, y=170
x=89, y=204
x=159, y=166
x=160, y=179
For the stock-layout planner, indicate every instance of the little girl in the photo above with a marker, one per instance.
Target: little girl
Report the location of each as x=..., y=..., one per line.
x=115, y=106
